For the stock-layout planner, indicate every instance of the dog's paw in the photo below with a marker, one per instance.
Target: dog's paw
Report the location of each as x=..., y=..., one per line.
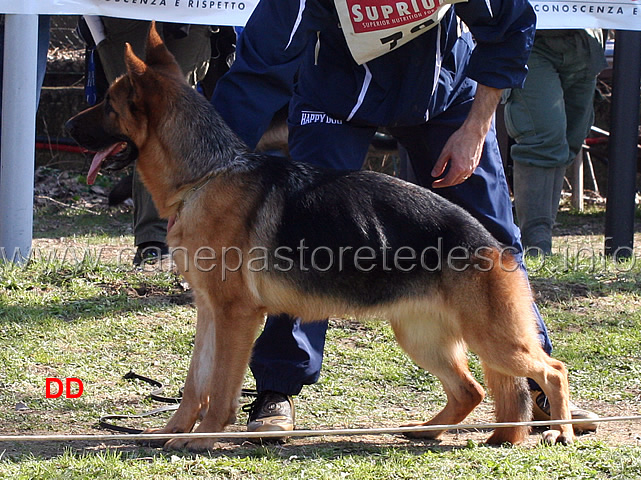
x=556, y=437
x=155, y=443
x=193, y=445
x=426, y=435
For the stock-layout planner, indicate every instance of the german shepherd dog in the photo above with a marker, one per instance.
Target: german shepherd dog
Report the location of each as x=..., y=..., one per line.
x=256, y=235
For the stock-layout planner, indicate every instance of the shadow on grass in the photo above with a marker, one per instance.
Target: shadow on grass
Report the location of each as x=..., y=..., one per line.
x=53, y=225
x=325, y=449
x=132, y=300
x=552, y=290
x=299, y=449
x=560, y=290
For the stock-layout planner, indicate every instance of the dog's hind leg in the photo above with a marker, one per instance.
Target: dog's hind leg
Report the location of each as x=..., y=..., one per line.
x=443, y=355
x=511, y=394
x=499, y=326
x=221, y=379
x=512, y=403
x=552, y=376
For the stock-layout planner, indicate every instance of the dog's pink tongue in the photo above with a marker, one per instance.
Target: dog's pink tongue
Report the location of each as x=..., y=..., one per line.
x=98, y=158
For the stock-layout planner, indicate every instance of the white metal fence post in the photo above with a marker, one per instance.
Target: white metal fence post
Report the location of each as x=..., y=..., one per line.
x=18, y=137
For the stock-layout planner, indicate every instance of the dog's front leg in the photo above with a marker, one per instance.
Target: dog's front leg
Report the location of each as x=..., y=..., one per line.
x=235, y=331
x=197, y=391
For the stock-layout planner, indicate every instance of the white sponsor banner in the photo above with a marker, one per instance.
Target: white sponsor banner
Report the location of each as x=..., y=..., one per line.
x=614, y=14
x=206, y=12
x=374, y=27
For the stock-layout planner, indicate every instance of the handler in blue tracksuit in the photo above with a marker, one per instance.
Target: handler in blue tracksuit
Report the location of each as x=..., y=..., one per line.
x=436, y=94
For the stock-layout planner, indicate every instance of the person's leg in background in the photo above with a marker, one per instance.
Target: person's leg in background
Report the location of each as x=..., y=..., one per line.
x=549, y=118
x=149, y=230
x=191, y=46
x=289, y=353
x=192, y=51
x=535, y=118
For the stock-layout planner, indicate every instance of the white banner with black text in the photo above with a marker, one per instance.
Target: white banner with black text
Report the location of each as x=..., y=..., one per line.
x=615, y=14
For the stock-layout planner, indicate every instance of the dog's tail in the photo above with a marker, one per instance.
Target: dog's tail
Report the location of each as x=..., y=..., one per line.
x=512, y=403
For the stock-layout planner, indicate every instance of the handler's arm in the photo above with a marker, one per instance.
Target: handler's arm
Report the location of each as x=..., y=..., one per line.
x=464, y=148
x=268, y=54
x=504, y=32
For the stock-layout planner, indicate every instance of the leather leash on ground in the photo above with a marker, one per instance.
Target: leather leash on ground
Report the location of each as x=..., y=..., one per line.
x=156, y=394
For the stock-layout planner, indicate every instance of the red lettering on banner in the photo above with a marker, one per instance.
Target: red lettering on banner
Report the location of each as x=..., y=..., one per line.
x=373, y=15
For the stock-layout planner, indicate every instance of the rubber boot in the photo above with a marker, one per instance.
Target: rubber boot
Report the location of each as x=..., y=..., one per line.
x=537, y=192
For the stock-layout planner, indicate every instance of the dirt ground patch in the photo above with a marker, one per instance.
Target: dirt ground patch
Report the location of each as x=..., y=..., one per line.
x=611, y=433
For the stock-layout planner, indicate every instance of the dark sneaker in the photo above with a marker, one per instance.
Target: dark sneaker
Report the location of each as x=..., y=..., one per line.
x=541, y=412
x=150, y=252
x=270, y=412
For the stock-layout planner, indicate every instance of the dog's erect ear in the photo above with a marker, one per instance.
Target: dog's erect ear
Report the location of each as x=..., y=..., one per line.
x=136, y=71
x=157, y=53
x=135, y=66
x=142, y=74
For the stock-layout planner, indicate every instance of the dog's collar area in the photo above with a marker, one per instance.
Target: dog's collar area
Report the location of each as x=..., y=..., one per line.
x=184, y=194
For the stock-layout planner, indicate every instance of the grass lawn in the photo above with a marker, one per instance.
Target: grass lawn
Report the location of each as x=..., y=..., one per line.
x=79, y=309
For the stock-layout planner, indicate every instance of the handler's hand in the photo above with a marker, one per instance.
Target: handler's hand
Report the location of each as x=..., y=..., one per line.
x=463, y=150
x=463, y=153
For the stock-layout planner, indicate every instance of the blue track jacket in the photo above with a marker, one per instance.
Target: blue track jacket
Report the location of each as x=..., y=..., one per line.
x=296, y=47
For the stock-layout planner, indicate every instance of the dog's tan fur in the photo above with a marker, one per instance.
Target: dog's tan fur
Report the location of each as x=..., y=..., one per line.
x=488, y=312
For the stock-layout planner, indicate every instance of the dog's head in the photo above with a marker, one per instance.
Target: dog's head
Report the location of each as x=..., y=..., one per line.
x=117, y=128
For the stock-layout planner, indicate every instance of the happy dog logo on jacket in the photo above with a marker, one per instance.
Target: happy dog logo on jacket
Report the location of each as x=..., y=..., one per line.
x=307, y=117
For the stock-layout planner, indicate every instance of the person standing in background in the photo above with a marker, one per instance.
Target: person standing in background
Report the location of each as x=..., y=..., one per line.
x=191, y=46
x=549, y=119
